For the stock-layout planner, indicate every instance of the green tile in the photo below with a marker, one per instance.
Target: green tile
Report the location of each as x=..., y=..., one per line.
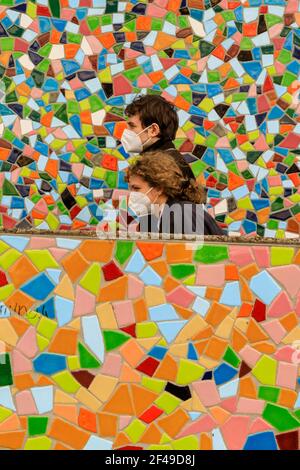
x=87, y=360
x=188, y=372
x=231, y=357
x=42, y=259
x=269, y=393
x=37, y=425
x=135, y=430
x=114, y=339
x=209, y=254
x=280, y=418
x=124, y=250
x=5, y=370
x=180, y=271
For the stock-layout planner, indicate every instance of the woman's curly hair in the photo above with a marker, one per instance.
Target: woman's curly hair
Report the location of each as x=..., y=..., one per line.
x=160, y=170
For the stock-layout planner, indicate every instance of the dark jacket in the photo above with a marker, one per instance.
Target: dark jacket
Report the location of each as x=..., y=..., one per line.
x=191, y=218
x=168, y=145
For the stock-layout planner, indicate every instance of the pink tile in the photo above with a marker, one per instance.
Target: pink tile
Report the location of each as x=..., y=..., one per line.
x=207, y=392
x=213, y=275
x=287, y=375
x=58, y=253
x=181, y=296
x=250, y=406
x=249, y=355
x=85, y=302
x=40, y=242
x=112, y=365
x=275, y=330
x=288, y=276
x=20, y=363
x=124, y=313
x=280, y=306
x=135, y=287
x=204, y=424
x=285, y=354
x=25, y=403
x=230, y=404
x=241, y=255
x=28, y=344
x=235, y=431
x=259, y=425
x=124, y=420
x=262, y=256
x=297, y=307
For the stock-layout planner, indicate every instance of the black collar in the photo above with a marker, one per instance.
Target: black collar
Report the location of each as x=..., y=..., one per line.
x=161, y=144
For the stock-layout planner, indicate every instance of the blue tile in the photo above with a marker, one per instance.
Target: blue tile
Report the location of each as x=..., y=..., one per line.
x=49, y=364
x=39, y=287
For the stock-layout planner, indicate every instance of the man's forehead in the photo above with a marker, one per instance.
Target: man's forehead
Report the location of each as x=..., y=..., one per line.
x=134, y=120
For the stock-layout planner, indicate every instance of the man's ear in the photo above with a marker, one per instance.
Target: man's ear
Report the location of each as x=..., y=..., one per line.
x=154, y=130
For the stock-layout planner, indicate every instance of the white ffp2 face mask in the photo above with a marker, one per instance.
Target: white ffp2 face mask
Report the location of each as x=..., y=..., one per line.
x=139, y=203
x=132, y=142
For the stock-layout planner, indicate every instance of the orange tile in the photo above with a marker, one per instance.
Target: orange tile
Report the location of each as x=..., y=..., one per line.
x=178, y=253
x=97, y=250
x=132, y=352
x=108, y=425
x=216, y=348
x=129, y=375
x=264, y=347
x=249, y=271
x=152, y=435
x=121, y=441
x=219, y=414
x=120, y=402
x=64, y=342
x=140, y=310
x=12, y=440
x=170, y=283
x=238, y=340
x=160, y=267
x=59, y=446
x=115, y=290
x=255, y=332
x=200, y=346
x=245, y=310
x=142, y=398
x=174, y=423
x=287, y=398
x=12, y=423
x=67, y=433
x=205, y=333
x=205, y=441
x=23, y=381
x=184, y=312
x=217, y=313
x=150, y=251
x=167, y=370
x=19, y=302
x=231, y=272
x=248, y=387
x=289, y=321
x=68, y=412
x=87, y=420
x=75, y=265
x=246, y=294
x=21, y=271
x=19, y=325
x=213, y=293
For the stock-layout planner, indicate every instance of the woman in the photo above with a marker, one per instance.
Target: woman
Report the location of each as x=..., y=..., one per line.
x=166, y=201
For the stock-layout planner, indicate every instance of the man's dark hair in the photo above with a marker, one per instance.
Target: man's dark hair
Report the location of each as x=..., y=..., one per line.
x=155, y=109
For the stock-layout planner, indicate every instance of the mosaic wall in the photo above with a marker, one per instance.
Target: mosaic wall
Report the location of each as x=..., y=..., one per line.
x=148, y=345
x=68, y=68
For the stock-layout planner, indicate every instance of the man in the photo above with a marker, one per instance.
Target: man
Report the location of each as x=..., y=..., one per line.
x=152, y=125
